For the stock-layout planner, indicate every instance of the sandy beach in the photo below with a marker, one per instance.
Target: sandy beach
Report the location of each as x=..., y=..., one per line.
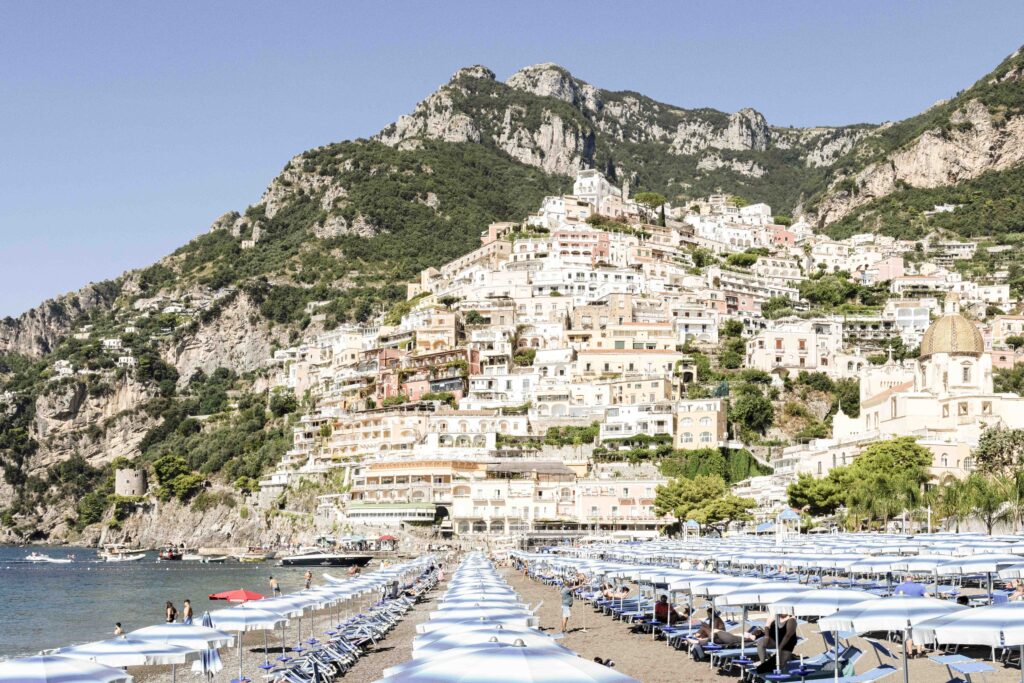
x=395, y=649
x=592, y=634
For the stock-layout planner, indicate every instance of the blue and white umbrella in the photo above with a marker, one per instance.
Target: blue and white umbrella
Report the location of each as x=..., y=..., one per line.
x=514, y=664
x=994, y=626
x=242, y=619
x=896, y=613
x=57, y=669
x=129, y=652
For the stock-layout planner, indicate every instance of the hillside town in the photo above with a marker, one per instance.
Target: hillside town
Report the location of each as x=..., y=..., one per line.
x=535, y=387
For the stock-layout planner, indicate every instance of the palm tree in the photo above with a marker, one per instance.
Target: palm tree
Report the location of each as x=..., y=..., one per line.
x=954, y=501
x=988, y=498
x=1011, y=487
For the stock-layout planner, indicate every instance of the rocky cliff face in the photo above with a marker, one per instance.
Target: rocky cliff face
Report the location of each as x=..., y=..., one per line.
x=976, y=143
x=36, y=331
x=238, y=338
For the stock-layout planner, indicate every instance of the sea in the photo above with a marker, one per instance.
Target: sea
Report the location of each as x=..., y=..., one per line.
x=44, y=606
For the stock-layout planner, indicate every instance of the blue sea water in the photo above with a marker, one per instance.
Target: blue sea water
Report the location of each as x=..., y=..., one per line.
x=44, y=606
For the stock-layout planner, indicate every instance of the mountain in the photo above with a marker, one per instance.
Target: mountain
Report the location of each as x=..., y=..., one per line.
x=542, y=116
x=977, y=133
x=340, y=230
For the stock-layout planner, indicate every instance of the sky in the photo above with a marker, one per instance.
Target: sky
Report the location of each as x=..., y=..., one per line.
x=127, y=128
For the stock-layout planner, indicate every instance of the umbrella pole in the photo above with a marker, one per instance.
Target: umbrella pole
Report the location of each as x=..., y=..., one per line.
x=266, y=654
x=906, y=672
x=1021, y=664
x=835, y=639
x=778, y=651
x=239, y=655
x=174, y=673
x=743, y=632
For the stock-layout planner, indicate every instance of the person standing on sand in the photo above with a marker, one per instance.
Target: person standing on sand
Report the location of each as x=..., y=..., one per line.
x=274, y=587
x=171, y=612
x=309, y=579
x=186, y=613
x=566, y=604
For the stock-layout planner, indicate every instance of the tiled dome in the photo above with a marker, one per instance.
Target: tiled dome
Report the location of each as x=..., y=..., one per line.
x=952, y=334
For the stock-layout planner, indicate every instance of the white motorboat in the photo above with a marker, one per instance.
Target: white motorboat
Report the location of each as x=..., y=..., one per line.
x=124, y=557
x=39, y=558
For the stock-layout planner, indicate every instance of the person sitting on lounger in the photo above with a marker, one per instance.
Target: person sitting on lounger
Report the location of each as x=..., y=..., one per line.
x=785, y=627
x=665, y=613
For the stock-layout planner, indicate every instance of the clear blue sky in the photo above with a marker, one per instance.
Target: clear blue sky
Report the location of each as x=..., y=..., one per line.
x=126, y=128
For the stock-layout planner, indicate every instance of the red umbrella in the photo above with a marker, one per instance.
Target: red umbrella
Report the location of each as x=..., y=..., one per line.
x=236, y=596
x=388, y=538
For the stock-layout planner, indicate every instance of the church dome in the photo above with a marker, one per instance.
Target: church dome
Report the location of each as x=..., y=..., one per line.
x=952, y=334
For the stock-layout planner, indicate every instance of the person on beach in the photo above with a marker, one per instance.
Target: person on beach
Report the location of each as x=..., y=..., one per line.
x=785, y=626
x=567, y=600
x=186, y=613
x=275, y=588
x=171, y=612
x=118, y=631
x=309, y=579
x=666, y=613
x=353, y=570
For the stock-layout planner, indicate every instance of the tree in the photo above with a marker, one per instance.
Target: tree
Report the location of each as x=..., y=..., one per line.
x=283, y=402
x=474, y=318
x=731, y=328
x=818, y=496
x=1000, y=451
x=888, y=478
x=652, y=200
x=777, y=307
x=679, y=496
x=722, y=511
x=954, y=502
x=1014, y=341
x=753, y=412
x=988, y=496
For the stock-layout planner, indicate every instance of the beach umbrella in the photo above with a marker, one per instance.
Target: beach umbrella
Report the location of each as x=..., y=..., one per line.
x=463, y=624
x=994, y=626
x=760, y=593
x=504, y=632
x=450, y=642
x=818, y=603
x=131, y=652
x=185, y=635
x=239, y=595
x=897, y=613
x=209, y=660
x=242, y=619
x=58, y=669
x=511, y=663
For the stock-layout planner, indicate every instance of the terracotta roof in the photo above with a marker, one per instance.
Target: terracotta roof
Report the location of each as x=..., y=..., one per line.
x=877, y=398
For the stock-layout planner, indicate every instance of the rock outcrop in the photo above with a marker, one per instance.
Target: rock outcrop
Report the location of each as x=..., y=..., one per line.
x=974, y=143
x=238, y=338
x=37, y=331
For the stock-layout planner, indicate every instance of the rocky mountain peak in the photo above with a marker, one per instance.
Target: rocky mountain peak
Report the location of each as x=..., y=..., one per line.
x=552, y=80
x=475, y=71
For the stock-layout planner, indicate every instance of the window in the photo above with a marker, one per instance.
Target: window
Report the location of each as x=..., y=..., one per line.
x=945, y=411
x=705, y=437
x=687, y=437
x=705, y=421
x=961, y=408
x=986, y=407
x=966, y=374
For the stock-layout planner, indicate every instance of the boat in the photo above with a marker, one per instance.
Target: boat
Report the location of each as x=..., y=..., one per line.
x=255, y=557
x=124, y=557
x=317, y=558
x=39, y=558
x=204, y=559
x=169, y=554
